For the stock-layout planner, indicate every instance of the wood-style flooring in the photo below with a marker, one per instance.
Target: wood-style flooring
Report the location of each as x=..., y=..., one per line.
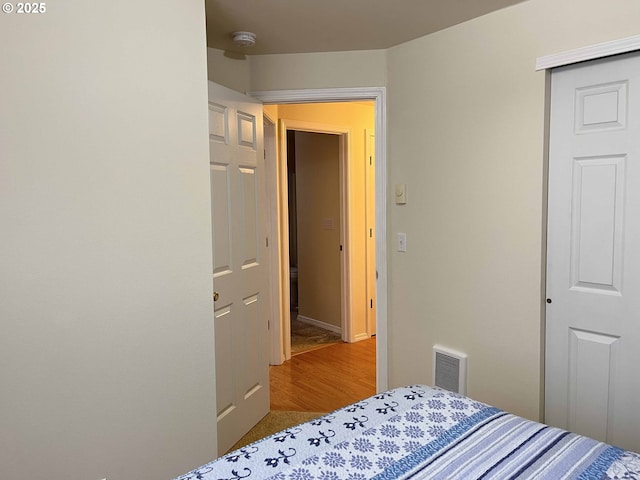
x=326, y=379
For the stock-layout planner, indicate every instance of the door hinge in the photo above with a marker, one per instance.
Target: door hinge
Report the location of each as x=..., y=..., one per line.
x=370, y=160
x=376, y=274
x=371, y=304
x=268, y=325
x=267, y=242
x=371, y=233
x=340, y=247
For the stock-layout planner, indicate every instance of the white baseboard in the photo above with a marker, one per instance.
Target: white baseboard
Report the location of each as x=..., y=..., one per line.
x=361, y=336
x=318, y=323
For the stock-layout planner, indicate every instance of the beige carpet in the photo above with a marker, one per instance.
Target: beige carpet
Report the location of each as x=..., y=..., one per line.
x=274, y=422
x=305, y=337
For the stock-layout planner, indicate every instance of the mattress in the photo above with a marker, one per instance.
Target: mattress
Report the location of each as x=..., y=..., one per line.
x=420, y=432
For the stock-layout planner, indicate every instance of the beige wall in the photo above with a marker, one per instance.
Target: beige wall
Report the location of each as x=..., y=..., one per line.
x=271, y=111
x=318, y=201
x=466, y=132
x=357, y=117
x=466, y=115
x=292, y=71
x=106, y=332
x=318, y=70
x=230, y=70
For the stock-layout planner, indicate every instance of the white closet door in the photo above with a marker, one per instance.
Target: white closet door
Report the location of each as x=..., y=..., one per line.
x=593, y=272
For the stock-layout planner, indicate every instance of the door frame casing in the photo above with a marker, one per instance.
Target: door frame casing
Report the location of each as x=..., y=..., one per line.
x=370, y=249
x=275, y=292
x=378, y=96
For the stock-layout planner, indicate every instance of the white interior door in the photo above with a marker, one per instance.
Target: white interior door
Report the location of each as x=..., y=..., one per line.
x=593, y=272
x=238, y=200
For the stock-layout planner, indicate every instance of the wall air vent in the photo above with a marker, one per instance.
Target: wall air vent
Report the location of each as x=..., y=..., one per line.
x=449, y=369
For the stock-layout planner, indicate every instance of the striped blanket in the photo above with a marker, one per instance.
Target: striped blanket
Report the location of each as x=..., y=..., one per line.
x=419, y=432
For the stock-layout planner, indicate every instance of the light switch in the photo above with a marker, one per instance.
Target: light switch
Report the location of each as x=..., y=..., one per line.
x=402, y=242
x=401, y=193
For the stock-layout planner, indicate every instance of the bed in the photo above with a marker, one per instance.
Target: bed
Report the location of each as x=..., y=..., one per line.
x=421, y=432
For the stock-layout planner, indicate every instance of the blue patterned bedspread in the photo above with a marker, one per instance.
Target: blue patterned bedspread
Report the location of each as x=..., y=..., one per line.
x=419, y=432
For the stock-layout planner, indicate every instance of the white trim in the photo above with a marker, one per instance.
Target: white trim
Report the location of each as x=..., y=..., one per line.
x=591, y=52
x=311, y=127
x=379, y=95
x=282, y=192
x=276, y=355
x=320, y=95
x=370, y=264
x=319, y=324
x=362, y=336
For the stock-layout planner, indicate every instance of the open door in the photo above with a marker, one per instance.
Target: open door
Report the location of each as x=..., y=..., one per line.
x=240, y=285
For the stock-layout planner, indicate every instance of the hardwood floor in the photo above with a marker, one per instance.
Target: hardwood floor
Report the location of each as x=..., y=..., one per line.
x=326, y=379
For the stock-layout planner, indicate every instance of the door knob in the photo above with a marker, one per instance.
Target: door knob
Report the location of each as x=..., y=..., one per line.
x=216, y=295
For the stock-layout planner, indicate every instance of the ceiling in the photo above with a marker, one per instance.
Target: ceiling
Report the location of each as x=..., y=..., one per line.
x=304, y=26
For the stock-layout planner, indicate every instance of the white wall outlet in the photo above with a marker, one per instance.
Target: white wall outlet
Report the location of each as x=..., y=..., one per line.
x=402, y=242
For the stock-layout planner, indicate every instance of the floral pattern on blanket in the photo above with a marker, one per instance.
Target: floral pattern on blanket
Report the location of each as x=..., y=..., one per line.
x=627, y=467
x=391, y=435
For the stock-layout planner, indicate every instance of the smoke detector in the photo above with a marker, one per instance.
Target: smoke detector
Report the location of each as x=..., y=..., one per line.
x=244, y=39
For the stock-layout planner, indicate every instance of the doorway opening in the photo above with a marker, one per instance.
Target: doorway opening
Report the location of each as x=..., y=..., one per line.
x=280, y=330
x=316, y=200
x=336, y=228
x=344, y=372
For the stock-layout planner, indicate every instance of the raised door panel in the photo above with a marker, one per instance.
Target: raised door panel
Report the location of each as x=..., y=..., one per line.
x=592, y=360
x=597, y=224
